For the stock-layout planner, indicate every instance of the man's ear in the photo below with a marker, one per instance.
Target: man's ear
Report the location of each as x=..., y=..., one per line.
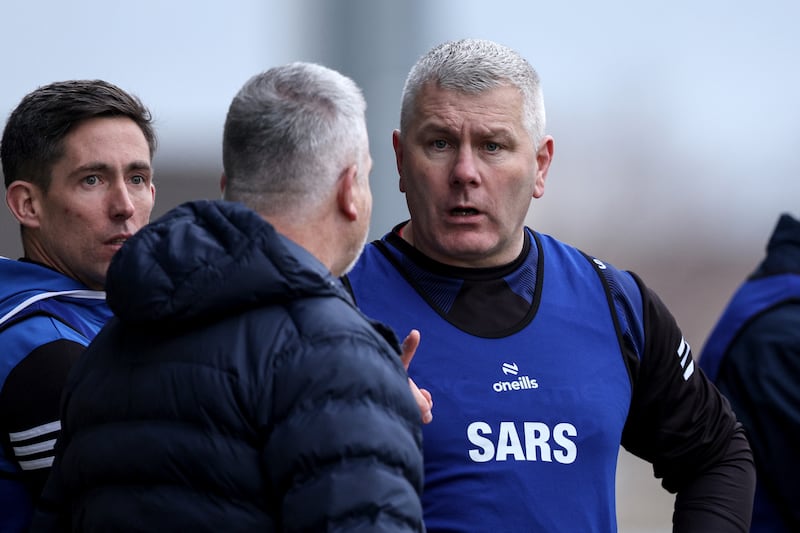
x=544, y=156
x=22, y=198
x=397, y=143
x=346, y=193
x=223, y=181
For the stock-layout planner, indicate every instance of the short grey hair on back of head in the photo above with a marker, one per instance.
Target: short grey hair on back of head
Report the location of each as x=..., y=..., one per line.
x=289, y=133
x=473, y=66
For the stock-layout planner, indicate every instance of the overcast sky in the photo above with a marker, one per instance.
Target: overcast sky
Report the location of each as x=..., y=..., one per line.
x=673, y=114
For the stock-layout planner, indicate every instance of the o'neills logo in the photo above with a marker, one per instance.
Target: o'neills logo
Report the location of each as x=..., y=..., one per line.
x=519, y=383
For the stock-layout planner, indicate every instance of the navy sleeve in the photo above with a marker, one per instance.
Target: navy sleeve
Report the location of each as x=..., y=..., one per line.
x=759, y=376
x=347, y=436
x=679, y=422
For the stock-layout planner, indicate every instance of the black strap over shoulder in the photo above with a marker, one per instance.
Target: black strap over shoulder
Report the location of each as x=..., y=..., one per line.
x=627, y=355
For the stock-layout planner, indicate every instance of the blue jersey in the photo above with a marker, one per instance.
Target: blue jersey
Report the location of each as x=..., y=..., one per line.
x=754, y=297
x=495, y=430
x=46, y=320
x=539, y=371
x=752, y=355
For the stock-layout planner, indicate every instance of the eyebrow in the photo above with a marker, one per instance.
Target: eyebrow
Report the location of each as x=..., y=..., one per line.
x=98, y=166
x=436, y=127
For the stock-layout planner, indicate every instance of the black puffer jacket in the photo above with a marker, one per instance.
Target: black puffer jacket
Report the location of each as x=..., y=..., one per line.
x=237, y=389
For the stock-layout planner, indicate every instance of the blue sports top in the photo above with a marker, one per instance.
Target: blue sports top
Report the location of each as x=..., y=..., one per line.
x=46, y=320
x=539, y=370
x=753, y=356
x=754, y=297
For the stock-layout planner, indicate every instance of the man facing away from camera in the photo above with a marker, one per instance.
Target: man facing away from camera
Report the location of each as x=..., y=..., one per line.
x=542, y=360
x=76, y=159
x=237, y=387
x=753, y=356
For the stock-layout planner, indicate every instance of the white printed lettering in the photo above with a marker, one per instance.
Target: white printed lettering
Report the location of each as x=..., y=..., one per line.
x=508, y=443
x=475, y=432
x=570, y=452
x=521, y=383
x=537, y=436
x=540, y=443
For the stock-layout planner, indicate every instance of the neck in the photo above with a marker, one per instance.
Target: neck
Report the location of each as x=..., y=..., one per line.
x=316, y=236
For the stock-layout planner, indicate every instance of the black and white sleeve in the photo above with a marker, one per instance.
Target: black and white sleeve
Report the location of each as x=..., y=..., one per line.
x=30, y=407
x=679, y=422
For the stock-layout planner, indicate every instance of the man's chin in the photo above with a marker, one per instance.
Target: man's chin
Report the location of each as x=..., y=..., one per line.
x=472, y=251
x=96, y=278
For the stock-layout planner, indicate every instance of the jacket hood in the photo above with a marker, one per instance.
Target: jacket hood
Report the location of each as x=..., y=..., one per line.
x=207, y=259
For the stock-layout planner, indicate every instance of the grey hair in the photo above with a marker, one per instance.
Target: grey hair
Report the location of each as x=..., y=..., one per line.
x=289, y=133
x=472, y=66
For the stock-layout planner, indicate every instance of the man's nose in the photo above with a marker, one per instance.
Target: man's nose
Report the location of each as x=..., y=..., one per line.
x=120, y=202
x=465, y=169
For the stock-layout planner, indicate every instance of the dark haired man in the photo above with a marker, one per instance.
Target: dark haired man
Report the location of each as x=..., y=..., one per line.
x=76, y=159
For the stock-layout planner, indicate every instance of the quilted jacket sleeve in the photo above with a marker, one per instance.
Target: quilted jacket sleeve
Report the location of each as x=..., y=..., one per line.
x=345, y=450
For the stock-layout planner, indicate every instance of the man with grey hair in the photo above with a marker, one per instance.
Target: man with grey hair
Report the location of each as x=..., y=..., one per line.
x=237, y=387
x=543, y=359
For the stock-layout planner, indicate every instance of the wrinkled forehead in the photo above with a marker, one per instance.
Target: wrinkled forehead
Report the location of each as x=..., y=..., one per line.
x=476, y=88
x=502, y=104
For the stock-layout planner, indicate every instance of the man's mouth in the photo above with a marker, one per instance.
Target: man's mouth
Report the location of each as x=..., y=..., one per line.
x=463, y=211
x=117, y=241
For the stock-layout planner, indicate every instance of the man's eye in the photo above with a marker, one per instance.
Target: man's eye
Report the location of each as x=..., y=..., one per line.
x=440, y=144
x=91, y=180
x=137, y=180
x=492, y=147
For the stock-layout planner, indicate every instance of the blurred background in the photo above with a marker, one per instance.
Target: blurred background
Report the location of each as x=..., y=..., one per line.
x=676, y=123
